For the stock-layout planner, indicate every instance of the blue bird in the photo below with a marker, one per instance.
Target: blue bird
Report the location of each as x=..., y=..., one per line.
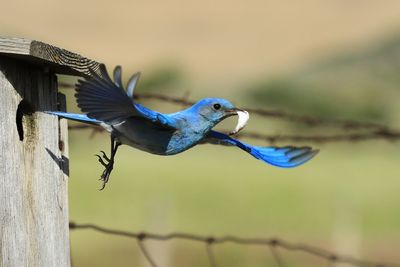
x=108, y=105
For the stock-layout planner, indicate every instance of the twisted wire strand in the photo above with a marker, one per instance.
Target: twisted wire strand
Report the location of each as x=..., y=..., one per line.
x=387, y=135
x=213, y=240
x=278, y=114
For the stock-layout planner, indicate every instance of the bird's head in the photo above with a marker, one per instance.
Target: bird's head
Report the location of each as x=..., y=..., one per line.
x=215, y=110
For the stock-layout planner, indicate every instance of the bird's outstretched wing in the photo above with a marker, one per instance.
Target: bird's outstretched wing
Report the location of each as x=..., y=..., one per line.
x=285, y=157
x=106, y=100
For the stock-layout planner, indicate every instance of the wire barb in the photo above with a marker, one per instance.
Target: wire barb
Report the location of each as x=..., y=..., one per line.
x=145, y=252
x=210, y=252
x=276, y=255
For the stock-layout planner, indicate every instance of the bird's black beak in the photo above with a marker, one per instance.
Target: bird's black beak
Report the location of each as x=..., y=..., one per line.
x=242, y=120
x=234, y=111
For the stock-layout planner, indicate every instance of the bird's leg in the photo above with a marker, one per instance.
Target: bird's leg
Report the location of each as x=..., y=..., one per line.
x=108, y=162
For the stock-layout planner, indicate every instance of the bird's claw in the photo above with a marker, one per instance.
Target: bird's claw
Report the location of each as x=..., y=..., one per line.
x=106, y=174
x=104, y=160
x=105, y=156
x=101, y=160
x=108, y=165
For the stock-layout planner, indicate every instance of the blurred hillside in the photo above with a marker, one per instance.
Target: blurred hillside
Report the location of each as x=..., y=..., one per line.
x=217, y=44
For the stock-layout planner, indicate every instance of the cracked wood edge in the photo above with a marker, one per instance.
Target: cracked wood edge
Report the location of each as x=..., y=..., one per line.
x=51, y=57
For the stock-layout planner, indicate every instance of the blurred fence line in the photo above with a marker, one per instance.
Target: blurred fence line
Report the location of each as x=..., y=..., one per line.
x=209, y=241
x=347, y=137
x=371, y=130
x=309, y=120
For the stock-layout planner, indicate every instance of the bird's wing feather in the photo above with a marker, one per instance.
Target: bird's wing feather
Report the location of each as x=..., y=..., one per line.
x=106, y=100
x=74, y=117
x=285, y=157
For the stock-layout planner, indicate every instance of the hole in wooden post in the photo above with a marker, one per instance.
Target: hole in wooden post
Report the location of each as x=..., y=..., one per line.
x=24, y=108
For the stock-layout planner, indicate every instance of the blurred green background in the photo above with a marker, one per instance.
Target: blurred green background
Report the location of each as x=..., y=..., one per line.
x=331, y=58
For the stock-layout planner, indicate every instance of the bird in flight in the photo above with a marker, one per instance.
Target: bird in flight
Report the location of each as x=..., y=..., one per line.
x=106, y=103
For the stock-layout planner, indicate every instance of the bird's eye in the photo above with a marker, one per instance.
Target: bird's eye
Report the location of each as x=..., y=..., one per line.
x=217, y=106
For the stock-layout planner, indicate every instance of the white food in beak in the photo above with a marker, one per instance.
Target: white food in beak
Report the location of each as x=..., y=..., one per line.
x=242, y=121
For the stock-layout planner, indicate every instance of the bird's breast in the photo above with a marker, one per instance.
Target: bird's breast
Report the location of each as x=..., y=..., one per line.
x=152, y=138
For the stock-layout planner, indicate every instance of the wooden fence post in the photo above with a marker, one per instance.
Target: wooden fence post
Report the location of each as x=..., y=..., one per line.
x=34, y=153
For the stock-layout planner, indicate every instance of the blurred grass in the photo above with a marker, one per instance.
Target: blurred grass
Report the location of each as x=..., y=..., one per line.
x=311, y=99
x=162, y=78
x=219, y=190
x=364, y=82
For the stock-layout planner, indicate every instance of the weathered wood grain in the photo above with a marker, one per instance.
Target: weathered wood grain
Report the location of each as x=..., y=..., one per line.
x=48, y=56
x=34, y=170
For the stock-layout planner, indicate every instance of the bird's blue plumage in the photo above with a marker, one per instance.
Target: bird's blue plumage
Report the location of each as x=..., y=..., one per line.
x=75, y=117
x=107, y=101
x=284, y=157
x=107, y=104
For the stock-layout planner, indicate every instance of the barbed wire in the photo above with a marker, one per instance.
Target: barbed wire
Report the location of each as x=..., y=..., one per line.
x=374, y=131
x=347, y=137
x=309, y=120
x=210, y=241
x=278, y=114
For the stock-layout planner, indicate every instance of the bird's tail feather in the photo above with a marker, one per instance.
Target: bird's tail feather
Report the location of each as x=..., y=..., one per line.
x=74, y=117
